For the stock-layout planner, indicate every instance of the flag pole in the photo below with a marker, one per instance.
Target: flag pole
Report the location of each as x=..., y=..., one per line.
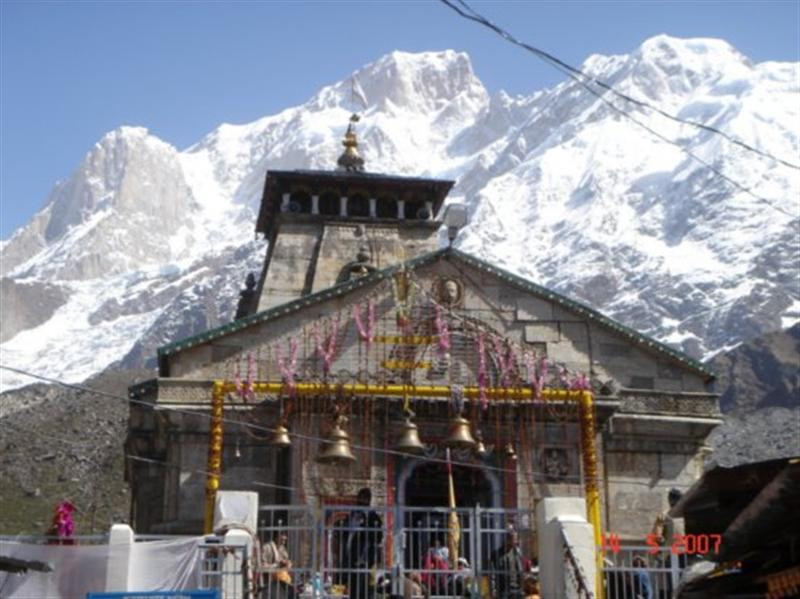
x=453, y=527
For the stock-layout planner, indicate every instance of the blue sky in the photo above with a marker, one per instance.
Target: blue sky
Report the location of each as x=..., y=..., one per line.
x=71, y=71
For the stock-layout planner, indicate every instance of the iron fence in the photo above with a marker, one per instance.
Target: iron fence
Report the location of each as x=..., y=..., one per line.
x=225, y=568
x=643, y=572
x=363, y=552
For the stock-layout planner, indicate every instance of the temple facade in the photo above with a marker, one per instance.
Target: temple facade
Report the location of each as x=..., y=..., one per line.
x=365, y=350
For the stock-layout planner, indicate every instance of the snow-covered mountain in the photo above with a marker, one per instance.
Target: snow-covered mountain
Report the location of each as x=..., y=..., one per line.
x=145, y=243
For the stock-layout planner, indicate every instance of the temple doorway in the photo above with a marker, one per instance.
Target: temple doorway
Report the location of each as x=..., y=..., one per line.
x=423, y=491
x=427, y=486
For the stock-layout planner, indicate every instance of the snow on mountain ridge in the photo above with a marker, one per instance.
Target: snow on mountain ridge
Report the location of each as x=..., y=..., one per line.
x=562, y=191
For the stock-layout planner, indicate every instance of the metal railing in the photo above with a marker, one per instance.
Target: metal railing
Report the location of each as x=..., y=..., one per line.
x=642, y=572
x=225, y=568
x=361, y=552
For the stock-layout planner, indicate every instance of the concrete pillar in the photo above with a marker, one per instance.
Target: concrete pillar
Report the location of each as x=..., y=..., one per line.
x=120, y=541
x=401, y=209
x=343, y=206
x=285, y=203
x=373, y=208
x=558, y=518
x=315, y=204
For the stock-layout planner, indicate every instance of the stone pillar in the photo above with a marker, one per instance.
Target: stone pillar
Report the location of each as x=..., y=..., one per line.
x=315, y=204
x=120, y=541
x=343, y=206
x=558, y=518
x=285, y=203
x=373, y=208
x=401, y=209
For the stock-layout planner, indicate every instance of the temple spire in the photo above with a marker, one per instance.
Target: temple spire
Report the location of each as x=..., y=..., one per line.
x=350, y=160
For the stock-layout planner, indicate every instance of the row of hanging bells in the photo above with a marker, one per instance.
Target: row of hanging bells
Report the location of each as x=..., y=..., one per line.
x=337, y=451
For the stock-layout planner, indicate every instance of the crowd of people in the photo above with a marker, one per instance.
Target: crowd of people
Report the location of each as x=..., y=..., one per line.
x=359, y=552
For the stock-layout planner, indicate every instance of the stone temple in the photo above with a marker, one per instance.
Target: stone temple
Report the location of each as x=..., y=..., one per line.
x=365, y=329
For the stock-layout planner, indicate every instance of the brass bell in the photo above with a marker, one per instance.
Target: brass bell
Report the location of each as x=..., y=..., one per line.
x=280, y=438
x=337, y=449
x=409, y=442
x=510, y=453
x=480, y=448
x=460, y=436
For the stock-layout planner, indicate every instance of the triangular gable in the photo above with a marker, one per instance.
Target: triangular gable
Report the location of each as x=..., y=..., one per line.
x=647, y=343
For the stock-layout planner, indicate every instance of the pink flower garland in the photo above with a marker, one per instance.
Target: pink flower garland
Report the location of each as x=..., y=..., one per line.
x=541, y=377
x=506, y=360
x=288, y=367
x=442, y=332
x=580, y=383
x=327, y=353
x=367, y=333
x=530, y=363
x=562, y=377
x=482, y=374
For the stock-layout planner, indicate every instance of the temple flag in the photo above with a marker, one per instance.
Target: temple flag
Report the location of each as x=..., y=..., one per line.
x=453, y=527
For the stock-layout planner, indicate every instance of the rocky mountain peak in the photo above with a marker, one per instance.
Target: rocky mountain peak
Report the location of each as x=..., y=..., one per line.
x=422, y=82
x=562, y=191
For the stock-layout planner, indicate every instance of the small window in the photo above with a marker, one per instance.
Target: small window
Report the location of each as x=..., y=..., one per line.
x=329, y=204
x=358, y=205
x=416, y=210
x=386, y=208
x=300, y=203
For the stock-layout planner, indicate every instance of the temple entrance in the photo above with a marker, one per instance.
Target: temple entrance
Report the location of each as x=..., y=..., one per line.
x=428, y=486
x=423, y=491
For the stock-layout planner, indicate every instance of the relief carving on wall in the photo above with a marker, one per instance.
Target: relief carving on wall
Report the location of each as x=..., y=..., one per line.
x=449, y=291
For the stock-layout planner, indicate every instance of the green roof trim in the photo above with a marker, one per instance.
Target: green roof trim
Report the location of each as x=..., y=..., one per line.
x=422, y=260
x=294, y=305
x=585, y=310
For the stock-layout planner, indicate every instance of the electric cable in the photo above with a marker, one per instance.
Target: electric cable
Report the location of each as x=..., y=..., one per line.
x=563, y=66
x=98, y=392
x=90, y=390
x=573, y=73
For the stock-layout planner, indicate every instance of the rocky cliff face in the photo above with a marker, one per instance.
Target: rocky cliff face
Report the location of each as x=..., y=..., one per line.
x=145, y=244
x=759, y=382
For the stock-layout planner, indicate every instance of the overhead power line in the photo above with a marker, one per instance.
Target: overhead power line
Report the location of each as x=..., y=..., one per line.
x=266, y=429
x=581, y=79
x=563, y=66
x=106, y=394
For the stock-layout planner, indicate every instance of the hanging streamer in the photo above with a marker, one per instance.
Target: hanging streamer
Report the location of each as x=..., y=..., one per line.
x=326, y=350
x=505, y=359
x=541, y=377
x=288, y=367
x=580, y=383
x=367, y=333
x=482, y=375
x=442, y=332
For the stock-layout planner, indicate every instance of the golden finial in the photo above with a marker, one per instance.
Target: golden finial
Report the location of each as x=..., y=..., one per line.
x=350, y=159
